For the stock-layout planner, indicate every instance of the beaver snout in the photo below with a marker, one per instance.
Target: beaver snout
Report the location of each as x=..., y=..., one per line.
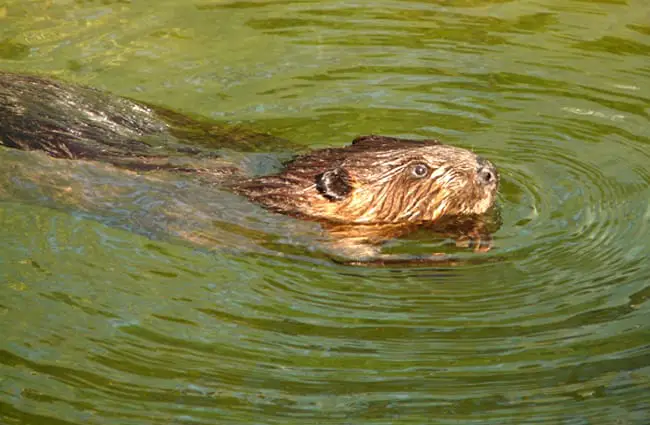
x=486, y=174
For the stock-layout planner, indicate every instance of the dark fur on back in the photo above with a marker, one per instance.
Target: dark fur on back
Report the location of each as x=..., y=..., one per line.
x=71, y=121
x=75, y=122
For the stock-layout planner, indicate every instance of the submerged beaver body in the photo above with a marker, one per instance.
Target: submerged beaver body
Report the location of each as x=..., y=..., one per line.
x=375, y=180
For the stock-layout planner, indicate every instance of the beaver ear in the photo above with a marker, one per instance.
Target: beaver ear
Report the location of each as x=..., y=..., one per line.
x=334, y=184
x=377, y=141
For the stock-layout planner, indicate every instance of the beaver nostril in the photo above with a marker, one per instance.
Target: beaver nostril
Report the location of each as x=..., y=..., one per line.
x=486, y=176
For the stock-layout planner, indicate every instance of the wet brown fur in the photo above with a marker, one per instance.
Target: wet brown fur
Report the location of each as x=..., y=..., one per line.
x=382, y=186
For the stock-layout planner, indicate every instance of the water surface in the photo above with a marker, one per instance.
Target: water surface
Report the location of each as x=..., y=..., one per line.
x=106, y=323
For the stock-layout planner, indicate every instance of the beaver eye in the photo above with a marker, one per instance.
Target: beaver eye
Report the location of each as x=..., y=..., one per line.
x=419, y=170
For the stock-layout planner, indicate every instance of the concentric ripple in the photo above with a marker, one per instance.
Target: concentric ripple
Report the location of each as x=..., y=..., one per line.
x=132, y=300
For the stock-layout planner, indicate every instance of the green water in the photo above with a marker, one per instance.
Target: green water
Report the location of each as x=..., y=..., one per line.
x=102, y=323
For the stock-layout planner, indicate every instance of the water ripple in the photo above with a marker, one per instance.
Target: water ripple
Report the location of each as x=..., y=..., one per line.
x=105, y=320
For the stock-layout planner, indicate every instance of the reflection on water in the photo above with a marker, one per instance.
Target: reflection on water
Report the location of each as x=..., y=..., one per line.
x=104, y=325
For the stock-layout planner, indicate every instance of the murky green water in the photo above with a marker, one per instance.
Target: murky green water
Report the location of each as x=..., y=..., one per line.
x=104, y=324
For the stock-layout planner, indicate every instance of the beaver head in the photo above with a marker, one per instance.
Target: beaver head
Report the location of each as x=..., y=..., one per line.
x=379, y=179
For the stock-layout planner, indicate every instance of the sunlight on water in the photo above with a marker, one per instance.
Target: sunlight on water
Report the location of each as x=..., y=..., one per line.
x=110, y=316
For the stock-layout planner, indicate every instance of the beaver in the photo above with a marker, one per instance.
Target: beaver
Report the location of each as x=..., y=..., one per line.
x=375, y=181
x=379, y=179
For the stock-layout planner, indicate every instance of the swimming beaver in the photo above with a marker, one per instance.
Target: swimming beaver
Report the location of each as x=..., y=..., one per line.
x=375, y=180
x=379, y=179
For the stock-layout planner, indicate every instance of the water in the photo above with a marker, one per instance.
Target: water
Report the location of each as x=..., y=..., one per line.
x=105, y=323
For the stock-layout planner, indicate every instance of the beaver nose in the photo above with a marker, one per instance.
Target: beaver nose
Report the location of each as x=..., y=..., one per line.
x=486, y=174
